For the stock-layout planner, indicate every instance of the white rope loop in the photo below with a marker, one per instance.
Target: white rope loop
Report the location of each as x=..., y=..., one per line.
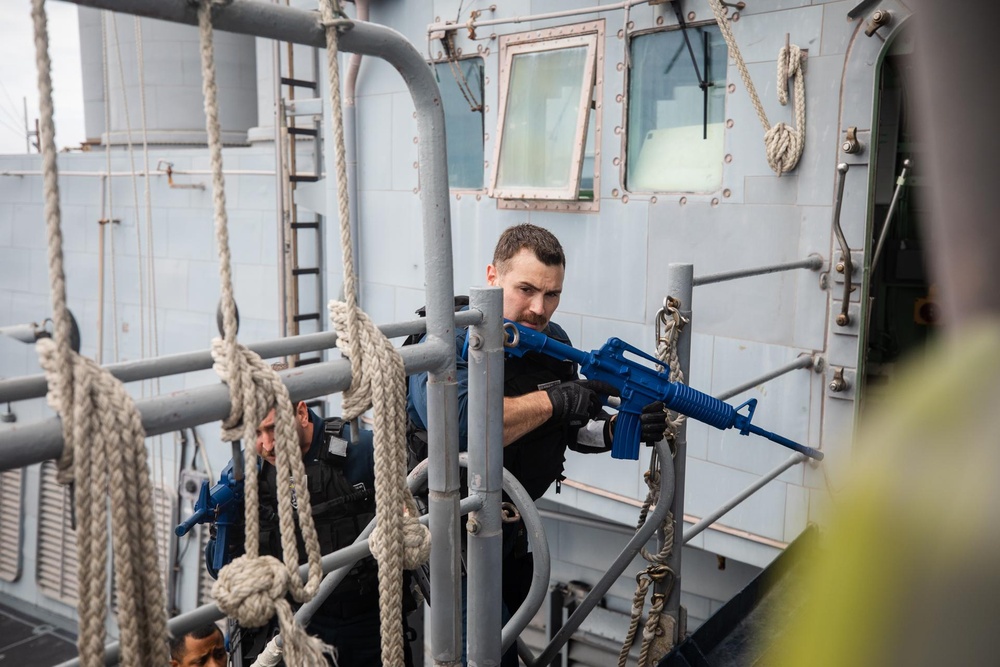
x=104, y=451
x=253, y=588
x=377, y=379
x=62, y=384
x=783, y=144
x=398, y=541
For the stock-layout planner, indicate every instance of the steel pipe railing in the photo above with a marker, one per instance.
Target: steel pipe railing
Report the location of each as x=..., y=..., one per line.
x=814, y=263
x=680, y=285
x=485, y=539
x=35, y=386
x=335, y=566
x=802, y=361
x=707, y=521
x=287, y=24
x=22, y=445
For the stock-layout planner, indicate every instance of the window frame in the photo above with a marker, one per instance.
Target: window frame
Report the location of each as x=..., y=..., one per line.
x=626, y=129
x=591, y=35
x=433, y=63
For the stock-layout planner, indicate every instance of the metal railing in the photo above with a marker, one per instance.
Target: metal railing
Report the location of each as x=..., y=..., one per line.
x=33, y=443
x=30, y=444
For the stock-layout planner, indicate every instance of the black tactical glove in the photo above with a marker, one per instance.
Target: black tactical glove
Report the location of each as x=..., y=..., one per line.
x=652, y=424
x=577, y=402
x=653, y=421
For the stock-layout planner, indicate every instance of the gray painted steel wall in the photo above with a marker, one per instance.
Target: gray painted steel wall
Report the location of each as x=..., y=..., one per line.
x=617, y=256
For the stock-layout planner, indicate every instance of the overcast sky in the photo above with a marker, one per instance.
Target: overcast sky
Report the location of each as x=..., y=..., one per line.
x=18, y=75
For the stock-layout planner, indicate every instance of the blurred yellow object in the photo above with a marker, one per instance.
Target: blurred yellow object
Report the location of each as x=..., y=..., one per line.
x=908, y=572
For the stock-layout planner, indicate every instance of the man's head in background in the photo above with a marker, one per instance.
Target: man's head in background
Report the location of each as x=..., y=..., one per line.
x=202, y=647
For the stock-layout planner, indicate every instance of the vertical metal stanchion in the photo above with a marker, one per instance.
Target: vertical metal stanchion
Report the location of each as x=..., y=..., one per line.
x=679, y=286
x=485, y=476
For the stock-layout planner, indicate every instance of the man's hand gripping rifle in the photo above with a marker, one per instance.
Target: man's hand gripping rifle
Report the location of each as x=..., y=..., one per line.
x=640, y=385
x=223, y=506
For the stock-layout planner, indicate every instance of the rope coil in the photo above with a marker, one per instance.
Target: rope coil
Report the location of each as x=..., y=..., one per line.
x=783, y=144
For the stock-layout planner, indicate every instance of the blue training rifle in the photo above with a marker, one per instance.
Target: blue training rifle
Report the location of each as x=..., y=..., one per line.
x=641, y=385
x=223, y=506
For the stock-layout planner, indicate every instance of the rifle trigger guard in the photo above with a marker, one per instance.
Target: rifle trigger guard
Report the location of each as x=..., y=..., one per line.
x=511, y=335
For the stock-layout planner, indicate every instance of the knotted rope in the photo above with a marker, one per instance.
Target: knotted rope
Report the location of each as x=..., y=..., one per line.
x=104, y=452
x=782, y=143
x=252, y=588
x=398, y=541
x=658, y=630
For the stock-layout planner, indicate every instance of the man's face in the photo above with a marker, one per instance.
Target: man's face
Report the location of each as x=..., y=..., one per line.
x=531, y=289
x=265, y=433
x=207, y=652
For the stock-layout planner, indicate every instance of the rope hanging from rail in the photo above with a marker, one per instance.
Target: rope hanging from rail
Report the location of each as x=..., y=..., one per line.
x=253, y=588
x=377, y=378
x=104, y=454
x=784, y=144
x=659, y=629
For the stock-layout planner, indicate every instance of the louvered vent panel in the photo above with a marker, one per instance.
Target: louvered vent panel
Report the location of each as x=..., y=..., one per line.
x=10, y=524
x=205, y=580
x=163, y=518
x=56, y=540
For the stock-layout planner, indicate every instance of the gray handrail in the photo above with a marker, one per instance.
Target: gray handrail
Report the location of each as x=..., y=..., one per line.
x=813, y=262
x=35, y=386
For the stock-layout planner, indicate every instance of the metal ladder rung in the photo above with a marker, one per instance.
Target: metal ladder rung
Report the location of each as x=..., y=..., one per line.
x=298, y=83
x=303, y=178
x=303, y=131
x=304, y=317
x=308, y=271
x=305, y=225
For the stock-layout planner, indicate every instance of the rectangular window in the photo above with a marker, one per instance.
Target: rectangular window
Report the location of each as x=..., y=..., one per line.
x=549, y=122
x=461, y=83
x=676, y=110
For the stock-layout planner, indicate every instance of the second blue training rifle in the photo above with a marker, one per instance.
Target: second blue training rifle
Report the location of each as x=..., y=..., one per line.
x=221, y=505
x=641, y=385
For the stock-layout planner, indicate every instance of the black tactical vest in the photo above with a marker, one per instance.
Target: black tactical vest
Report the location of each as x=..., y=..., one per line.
x=340, y=511
x=536, y=459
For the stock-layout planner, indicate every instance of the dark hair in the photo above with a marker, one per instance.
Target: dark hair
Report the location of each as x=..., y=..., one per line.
x=178, y=644
x=540, y=241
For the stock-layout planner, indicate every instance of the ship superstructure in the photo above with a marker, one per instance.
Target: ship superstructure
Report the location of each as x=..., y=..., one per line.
x=624, y=128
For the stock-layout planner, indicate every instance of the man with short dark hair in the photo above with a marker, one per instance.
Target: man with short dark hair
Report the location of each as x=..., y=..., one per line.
x=546, y=407
x=202, y=647
x=340, y=470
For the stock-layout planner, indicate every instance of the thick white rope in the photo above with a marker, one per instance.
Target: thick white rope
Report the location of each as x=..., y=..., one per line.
x=399, y=541
x=104, y=452
x=783, y=144
x=252, y=588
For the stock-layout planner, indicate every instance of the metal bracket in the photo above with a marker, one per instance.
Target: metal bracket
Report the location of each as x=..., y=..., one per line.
x=879, y=19
x=840, y=266
x=841, y=383
x=190, y=484
x=851, y=144
x=850, y=316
